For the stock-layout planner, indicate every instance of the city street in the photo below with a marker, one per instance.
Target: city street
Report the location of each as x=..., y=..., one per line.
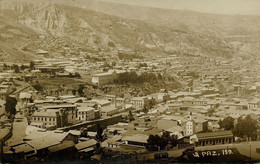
x=19, y=130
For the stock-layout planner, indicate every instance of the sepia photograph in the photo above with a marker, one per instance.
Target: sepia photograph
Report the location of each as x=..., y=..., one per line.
x=129, y=81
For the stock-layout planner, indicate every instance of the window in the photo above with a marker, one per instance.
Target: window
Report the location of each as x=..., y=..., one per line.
x=258, y=150
x=45, y=119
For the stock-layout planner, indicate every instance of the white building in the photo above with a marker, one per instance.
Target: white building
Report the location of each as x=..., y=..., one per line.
x=138, y=101
x=85, y=113
x=188, y=128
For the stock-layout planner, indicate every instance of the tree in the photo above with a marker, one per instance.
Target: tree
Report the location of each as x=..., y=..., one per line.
x=149, y=104
x=158, y=142
x=154, y=67
x=153, y=142
x=166, y=98
x=113, y=63
x=106, y=65
x=111, y=44
x=217, y=105
x=5, y=66
x=159, y=76
x=77, y=75
x=10, y=105
x=22, y=67
x=244, y=107
x=130, y=116
x=143, y=65
x=227, y=123
x=95, y=106
x=210, y=111
x=152, y=103
x=115, y=132
x=81, y=90
x=145, y=109
x=32, y=64
x=174, y=140
x=133, y=78
x=99, y=135
x=16, y=68
x=74, y=92
x=246, y=127
x=38, y=86
x=193, y=74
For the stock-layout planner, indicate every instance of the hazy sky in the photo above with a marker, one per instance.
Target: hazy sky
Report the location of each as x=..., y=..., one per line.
x=242, y=7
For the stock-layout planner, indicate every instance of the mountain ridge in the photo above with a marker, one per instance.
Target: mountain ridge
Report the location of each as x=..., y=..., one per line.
x=78, y=25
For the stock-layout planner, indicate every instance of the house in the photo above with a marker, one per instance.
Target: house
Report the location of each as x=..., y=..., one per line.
x=136, y=140
x=100, y=103
x=138, y=102
x=85, y=113
x=70, y=109
x=192, y=126
x=188, y=127
x=166, y=123
x=65, y=147
x=199, y=102
x=104, y=78
x=109, y=110
x=214, y=138
x=49, y=69
x=42, y=52
x=177, y=130
x=201, y=125
x=86, y=147
x=25, y=97
x=254, y=104
x=20, y=151
x=113, y=142
x=187, y=100
x=159, y=97
x=48, y=118
x=46, y=142
x=4, y=89
x=86, y=144
x=112, y=98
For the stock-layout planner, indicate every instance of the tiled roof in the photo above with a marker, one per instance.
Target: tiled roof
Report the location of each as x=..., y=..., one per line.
x=219, y=134
x=62, y=146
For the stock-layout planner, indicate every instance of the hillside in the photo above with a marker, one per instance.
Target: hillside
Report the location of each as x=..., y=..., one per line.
x=87, y=25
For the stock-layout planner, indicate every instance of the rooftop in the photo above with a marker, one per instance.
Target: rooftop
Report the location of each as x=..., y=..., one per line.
x=85, y=108
x=219, y=134
x=86, y=144
x=136, y=138
x=62, y=146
